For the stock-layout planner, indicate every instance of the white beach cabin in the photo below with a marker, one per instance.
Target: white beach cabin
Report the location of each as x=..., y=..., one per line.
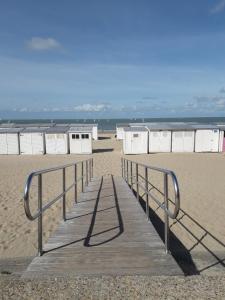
x=135, y=140
x=56, y=140
x=9, y=140
x=222, y=137
x=32, y=141
x=120, y=131
x=80, y=140
x=95, y=131
x=94, y=128
x=207, y=138
x=8, y=125
x=159, y=137
x=183, y=138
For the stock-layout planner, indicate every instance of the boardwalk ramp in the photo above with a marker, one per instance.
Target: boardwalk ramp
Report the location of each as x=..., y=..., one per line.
x=106, y=233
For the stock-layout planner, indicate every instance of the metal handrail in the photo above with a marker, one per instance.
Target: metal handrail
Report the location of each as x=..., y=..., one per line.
x=87, y=175
x=125, y=163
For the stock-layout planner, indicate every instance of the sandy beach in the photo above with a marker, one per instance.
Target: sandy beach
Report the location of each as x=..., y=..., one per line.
x=199, y=226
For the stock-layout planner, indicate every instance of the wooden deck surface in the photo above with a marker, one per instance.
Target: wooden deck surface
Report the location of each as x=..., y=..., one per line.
x=106, y=233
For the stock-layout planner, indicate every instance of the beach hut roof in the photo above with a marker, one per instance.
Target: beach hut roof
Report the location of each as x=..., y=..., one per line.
x=83, y=125
x=169, y=126
x=7, y=125
x=80, y=129
x=35, y=129
x=135, y=129
x=179, y=126
x=34, y=125
x=11, y=130
x=221, y=126
x=58, y=129
x=205, y=126
x=123, y=125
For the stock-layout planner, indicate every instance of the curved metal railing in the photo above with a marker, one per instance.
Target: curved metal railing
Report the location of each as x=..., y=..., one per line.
x=86, y=173
x=129, y=174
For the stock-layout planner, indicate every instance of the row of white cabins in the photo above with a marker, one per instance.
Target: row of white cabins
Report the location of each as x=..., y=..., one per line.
x=52, y=139
x=171, y=137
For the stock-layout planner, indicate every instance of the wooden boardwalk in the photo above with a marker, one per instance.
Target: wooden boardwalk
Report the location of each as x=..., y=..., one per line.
x=106, y=233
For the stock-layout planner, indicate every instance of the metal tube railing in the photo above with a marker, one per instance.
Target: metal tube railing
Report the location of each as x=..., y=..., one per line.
x=145, y=187
x=41, y=209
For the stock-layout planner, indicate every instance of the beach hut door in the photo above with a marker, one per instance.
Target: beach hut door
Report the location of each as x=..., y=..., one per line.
x=37, y=143
x=85, y=143
x=214, y=140
x=3, y=143
x=12, y=143
x=26, y=143
x=60, y=143
x=75, y=143
x=223, y=141
x=136, y=143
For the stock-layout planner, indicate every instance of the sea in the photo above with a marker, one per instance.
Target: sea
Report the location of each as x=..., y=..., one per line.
x=110, y=124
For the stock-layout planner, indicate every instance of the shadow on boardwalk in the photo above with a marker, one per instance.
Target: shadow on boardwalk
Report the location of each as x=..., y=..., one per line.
x=87, y=241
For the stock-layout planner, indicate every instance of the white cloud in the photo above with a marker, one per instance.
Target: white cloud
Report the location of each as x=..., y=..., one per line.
x=219, y=7
x=79, y=108
x=92, y=107
x=42, y=44
x=23, y=109
x=210, y=103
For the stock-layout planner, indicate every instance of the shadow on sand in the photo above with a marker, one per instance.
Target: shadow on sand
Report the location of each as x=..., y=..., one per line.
x=103, y=150
x=180, y=253
x=104, y=138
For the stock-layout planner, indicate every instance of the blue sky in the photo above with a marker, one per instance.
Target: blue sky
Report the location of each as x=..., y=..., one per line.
x=96, y=59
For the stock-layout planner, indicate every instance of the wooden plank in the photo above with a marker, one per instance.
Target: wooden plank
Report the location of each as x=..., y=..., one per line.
x=106, y=233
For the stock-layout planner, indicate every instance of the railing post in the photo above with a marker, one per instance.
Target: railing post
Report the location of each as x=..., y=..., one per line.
x=64, y=195
x=89, y=169
x=122, y=167
x=86, y=173
x=124, y=170
x=40, y=246
x=92, y=168
x=82, y=176
x=166, y=228
x=137, y=187
x=146, y=190
x=75, y=182
x=127, y=172
x=131, y=174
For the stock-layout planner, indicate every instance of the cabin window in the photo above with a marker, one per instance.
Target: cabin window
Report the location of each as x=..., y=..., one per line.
x=135, y=135
x=85, y=136
x=75, y=136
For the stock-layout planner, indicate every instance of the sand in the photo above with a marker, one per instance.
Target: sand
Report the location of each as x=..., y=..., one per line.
x=199, y=226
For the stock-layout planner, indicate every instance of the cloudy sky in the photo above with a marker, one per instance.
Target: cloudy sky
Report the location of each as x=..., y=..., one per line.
x=104, y=58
